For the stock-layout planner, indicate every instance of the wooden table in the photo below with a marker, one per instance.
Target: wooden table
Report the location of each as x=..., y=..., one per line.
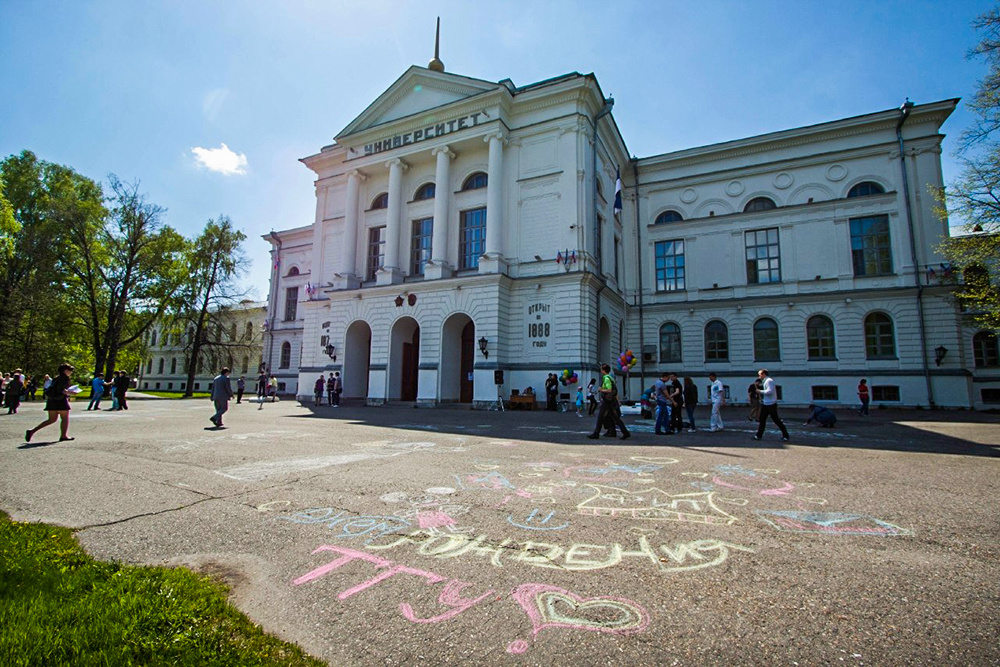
x=525, y=402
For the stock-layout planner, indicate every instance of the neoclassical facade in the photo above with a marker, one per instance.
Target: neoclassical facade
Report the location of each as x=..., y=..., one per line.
x=465, y=227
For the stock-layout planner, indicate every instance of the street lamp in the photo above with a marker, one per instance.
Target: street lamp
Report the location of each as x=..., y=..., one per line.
x=482, y=347
x=939, y=353
x=331, y=352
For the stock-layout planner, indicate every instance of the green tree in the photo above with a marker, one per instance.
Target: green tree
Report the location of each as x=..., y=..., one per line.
x=975, y=197
x=215, y=263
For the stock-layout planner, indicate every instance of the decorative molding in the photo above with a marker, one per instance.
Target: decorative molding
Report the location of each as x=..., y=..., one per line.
x=446, y=150
x=396, y=160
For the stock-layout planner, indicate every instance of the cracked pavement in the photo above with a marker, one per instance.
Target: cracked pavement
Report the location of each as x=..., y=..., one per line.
x=403, y=536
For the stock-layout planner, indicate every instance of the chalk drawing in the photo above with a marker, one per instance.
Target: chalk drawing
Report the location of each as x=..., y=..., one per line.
x=830, y=523
x=450, y=598
x=440, y=490
x=393, y=497
x=660, y=460
x=267, y=507
x=478, y=481
x=351, y=526
x=696, y=474
x=535, y=521
x=608, y=471
x=553, y=607
x=654, y=503
x=255, y=472
x=576, y=557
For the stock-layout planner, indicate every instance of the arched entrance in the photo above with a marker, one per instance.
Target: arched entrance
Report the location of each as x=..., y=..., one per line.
x=604, y=342
x=458, y=345
x=404, y=359
x=357, y=354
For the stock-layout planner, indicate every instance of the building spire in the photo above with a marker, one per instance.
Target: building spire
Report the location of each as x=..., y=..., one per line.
x=435, y=63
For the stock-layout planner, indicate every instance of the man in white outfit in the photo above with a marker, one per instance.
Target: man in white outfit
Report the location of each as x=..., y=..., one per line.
x=769, y=405
x=718, y=396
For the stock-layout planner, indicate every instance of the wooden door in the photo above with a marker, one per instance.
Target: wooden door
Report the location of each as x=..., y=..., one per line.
x=411, y=364
x=468, y=360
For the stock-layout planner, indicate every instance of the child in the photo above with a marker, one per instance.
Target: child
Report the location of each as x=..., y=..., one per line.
x=579, y=401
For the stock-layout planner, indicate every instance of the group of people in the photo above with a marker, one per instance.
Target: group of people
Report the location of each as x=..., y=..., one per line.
x=117, y=386
x=671, y=397
x=17, y=387
x=333, y=386
x=267, y=385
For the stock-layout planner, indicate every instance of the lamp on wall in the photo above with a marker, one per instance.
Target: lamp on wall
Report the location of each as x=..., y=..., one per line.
x=482, y=347
x=331, y=351
x=939, y=353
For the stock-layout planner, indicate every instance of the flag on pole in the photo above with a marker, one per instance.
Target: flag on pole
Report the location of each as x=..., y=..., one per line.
x=618, y=190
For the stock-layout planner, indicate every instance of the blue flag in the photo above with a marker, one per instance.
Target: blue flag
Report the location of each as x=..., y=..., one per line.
x=618, y=191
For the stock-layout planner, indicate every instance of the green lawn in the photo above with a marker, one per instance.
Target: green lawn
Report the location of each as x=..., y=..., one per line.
x=171, y=394
x=58, y=606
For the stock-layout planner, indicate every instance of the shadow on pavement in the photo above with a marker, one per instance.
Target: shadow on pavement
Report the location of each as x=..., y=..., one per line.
x=938, y=432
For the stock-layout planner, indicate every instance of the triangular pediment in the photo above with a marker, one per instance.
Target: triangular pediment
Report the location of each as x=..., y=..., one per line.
x=417, y=91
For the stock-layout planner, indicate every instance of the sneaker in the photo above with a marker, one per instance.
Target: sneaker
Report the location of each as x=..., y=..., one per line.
x=784, y=439
x=27, y=436
x=593, y=436
x=757, y=437
x=692, y=430
x=712, y=430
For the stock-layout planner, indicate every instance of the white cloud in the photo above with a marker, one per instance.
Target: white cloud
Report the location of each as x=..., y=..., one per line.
x=221, y=160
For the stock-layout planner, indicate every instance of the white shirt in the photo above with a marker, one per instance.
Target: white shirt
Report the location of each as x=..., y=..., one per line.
x=769, y=395
x=718, y=391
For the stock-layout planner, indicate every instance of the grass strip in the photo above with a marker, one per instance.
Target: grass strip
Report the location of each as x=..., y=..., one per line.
x=59, y=606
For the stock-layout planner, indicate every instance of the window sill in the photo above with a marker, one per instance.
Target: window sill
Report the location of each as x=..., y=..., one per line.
x=881, y=358
x=822, y=359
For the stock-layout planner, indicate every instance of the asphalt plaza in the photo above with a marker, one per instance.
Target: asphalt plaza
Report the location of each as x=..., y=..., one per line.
x=411, y=536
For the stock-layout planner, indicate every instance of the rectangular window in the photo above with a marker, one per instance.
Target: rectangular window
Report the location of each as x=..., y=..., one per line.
x=825, y=393
x=197, y=385
x=669, y=266
x=376, y=251
x=291, y=303
x=990, y=395
x=420, y=252
x=763, y=256
x=170, y=385
x=617, y=245
x=885, y=393
x=870, y=249
x=471, y=238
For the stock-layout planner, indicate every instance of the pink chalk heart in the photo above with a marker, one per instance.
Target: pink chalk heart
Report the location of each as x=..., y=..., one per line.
x=553, y=607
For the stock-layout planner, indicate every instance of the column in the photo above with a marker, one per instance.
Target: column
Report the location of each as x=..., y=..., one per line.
x=494, y=207
x=438, y=267
x=348, y=276
x=390, y=273
x=316, y=261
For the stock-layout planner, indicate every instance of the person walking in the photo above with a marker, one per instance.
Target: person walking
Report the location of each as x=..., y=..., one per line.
x=338, y=388
x=241, y=386
x=717, y=395
x=690, y=401
x=121, y=386
x=329, y=389
x=96, y=392
x=609, y=405
x=579, y=401
x=318, y=388
x=592, y=396
x=272, y=387
x=753, y=396
x=31, y=388
x=12, y=399
x=769, y=406
x=56, y=404
x=661, y=392
x=864, y=396
x=222, y=391
x=551, y=391
x=46, y=383
x=113, y=388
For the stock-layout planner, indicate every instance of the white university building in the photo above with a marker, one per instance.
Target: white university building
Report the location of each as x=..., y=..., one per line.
x=466, y=226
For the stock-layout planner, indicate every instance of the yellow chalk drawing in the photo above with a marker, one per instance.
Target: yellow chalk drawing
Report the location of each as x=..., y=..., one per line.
x=577, y=557
x=815, y=501
x=659, y=460
x=696, y=474
x=654, y=503
x=733, y=501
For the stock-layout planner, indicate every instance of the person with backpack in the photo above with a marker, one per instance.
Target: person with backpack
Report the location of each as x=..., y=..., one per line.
x=609, y=405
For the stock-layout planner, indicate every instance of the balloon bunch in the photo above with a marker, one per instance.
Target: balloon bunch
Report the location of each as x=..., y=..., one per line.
x=626, y=360
x=569, y=377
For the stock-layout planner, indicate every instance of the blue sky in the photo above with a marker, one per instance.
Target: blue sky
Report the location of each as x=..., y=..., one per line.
x=133, y=88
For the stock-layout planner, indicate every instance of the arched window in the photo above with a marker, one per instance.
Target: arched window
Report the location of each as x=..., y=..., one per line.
x=159, y=366
x=819, y=338
x=759, y=204
x=865, y=188
x=716, y=341
x=286, y=355
x=880, y=343
x=232, y=332
x=668, y=216
x=476, y=181
x=986, y=350
x=765, y=340
x=380, y=201
x=152, y=337
x=294, y=271
x=245, y=365
x=670, y=343
x=173, y=365
x=425, y=191
x=249, y=331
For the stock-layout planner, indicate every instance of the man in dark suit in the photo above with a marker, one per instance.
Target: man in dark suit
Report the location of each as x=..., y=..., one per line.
x=222, y=391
